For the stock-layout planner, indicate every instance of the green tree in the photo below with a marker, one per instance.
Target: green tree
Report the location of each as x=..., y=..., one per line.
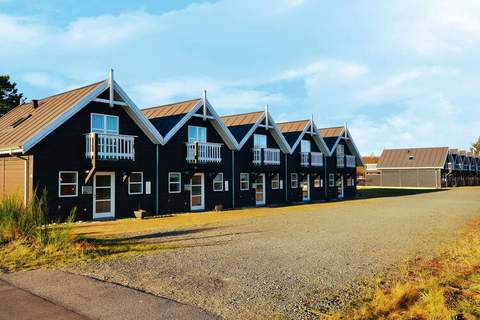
x=9, y=95
x=476, y=145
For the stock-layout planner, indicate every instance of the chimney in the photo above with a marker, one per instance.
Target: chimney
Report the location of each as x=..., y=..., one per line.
x=35, y=103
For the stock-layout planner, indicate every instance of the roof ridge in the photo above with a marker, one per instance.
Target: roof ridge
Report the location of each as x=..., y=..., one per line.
x=169, y=104
x=336, y=127
x=292, y=121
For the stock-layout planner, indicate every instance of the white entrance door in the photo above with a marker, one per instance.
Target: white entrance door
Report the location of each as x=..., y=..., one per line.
x=306, y=188
x=340, y=187
x=260, y=190
x=197, y=192
x=104, y=195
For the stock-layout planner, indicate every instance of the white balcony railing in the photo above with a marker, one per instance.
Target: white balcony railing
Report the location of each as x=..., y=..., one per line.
x=204, y=152
x=316, y=159
x=271, y=156
x=304, y=157
x=109, y=146
x=351, y=162
x=257, y=156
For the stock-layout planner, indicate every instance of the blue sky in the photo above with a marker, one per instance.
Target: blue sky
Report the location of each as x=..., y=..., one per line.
x=400, y=74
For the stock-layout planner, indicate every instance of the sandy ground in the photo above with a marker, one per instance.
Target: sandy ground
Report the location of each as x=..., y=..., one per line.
x=284, y=262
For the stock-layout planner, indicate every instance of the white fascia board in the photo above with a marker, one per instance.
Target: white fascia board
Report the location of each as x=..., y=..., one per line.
x=251, y=131
x=217, y=123
x=11, y=151
x=138, y=117
x=357, y=153
x=295, y=145
x=61, y=119
x=278, y=136
x=320, y=142
x=222, y=128
x=182, y=121
x=338, y=140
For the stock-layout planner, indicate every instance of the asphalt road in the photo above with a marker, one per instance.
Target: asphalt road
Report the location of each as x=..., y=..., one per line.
x=53, y=294
x=287, y=264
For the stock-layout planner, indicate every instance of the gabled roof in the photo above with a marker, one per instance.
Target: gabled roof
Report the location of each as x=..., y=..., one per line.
x=240, y=124
x=413, y=158
x=170, y=118
x=332, y=137
x=244, y=125
x=294, y=131
x=24, y=126
x=165, y=117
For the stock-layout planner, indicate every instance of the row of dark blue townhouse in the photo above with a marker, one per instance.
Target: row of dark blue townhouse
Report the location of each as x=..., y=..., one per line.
x=93, y=149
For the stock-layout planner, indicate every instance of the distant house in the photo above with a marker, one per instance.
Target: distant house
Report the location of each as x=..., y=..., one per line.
x=342, y=163
x=435, y=167
x=306, y=162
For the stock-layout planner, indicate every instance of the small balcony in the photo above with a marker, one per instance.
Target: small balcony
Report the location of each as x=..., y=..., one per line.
x=269, y=156
x=314, y=159
x=102, y=146
x=204, y=152
x=351, y=161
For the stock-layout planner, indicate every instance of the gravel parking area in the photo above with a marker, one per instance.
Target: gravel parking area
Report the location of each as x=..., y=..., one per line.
x=285, y=265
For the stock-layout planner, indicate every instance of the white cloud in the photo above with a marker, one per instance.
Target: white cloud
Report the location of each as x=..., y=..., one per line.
x=227, y=97
x=332, y=68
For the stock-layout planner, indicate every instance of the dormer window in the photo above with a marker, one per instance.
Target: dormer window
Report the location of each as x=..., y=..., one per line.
x=259, y=141
x=103, y=123
x=197, y=134
x=305, y=146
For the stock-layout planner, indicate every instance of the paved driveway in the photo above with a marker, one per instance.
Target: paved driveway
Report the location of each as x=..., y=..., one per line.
x=286, y=264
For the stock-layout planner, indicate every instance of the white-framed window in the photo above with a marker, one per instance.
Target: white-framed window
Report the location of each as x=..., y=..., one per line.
x=316, y=182
x=293, y=180
x=340, y=155
x=197, y=134
x=103, y=123
x=276, y=181
x=351, y=182
x=331, y=180
x=67, y=184
x=135, y=183
x=259, y=141
x=218, y=182
x=305, y=146
x=244, y=181
x=174, y=182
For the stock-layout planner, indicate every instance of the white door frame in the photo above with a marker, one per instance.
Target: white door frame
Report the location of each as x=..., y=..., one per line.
x=342, y=193
x=110, y=214
x=202, y=185
x=261, y=203
x=308, y=189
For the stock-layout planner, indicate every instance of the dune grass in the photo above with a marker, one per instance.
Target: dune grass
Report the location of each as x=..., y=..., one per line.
x=28, y=240
x=445, y=286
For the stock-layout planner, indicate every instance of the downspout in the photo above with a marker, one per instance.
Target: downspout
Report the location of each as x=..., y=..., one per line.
x=233, y=179
x=285, y=178
x=26, y=178
x=326, y=182
x=156, y=180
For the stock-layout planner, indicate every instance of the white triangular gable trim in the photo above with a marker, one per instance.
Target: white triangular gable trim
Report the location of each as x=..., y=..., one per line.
x=276, y=133
x=351, y=145
x=316, y=137
x=131, y=109
x=216, y=122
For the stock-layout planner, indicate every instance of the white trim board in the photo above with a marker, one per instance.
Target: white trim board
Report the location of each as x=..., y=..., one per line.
x=316, y=137
x=276, y=133
x=214, y=119
x=131, y=109
x=350, y=144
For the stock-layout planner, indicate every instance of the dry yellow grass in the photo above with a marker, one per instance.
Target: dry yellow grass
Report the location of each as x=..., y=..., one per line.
x=446, y=286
